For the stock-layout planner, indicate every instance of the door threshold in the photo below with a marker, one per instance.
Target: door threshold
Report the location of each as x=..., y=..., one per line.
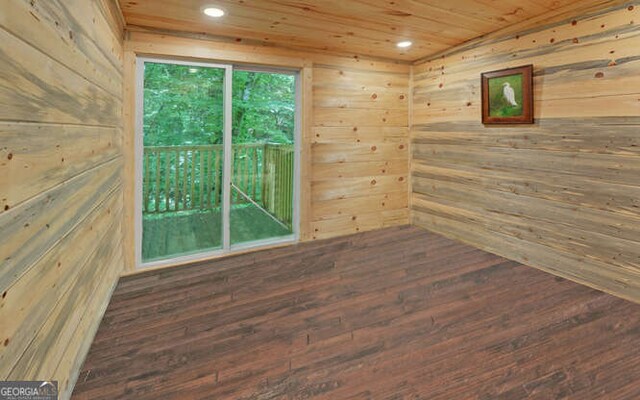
x=242, y=248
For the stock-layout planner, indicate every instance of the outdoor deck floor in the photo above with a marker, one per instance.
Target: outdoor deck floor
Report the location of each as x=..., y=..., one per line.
x=176, y=234
x=393, y=314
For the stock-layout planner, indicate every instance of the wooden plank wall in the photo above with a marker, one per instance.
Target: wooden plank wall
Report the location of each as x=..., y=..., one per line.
x=562, y=195
x=355, y=130
x=60, y=182
x=359, y=147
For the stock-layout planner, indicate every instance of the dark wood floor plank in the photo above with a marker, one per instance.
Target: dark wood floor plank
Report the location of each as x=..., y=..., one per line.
x=398, y=313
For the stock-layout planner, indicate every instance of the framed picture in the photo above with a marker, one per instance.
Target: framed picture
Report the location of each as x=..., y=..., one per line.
x=507, y=96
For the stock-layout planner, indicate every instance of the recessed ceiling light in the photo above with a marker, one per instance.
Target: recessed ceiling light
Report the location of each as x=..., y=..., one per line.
x=213, y=12
x=404, y=44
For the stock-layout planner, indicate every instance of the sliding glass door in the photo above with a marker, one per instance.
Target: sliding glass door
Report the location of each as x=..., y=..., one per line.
x=262, y=162
x=217, y=158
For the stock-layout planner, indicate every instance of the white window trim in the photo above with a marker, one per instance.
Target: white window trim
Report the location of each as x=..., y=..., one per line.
x=227, y=247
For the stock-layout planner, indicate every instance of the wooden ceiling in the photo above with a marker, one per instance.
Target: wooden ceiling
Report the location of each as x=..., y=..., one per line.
x=366, y=27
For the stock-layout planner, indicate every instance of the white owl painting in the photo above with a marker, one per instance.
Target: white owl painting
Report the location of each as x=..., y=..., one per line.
x=507, y=96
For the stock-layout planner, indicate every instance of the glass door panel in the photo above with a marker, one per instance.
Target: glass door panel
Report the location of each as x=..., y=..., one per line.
x=182, y=160
x=263, y=156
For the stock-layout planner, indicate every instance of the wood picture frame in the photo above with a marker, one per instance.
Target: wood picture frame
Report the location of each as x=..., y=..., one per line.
x=507, y=96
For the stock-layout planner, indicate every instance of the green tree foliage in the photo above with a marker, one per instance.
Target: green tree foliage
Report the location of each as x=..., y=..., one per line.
x=263, y=107
x=184, y=105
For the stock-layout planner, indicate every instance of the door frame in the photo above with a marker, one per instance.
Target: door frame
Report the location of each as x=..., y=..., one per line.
x=227, y=247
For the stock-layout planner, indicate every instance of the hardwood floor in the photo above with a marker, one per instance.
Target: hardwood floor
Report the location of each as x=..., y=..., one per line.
x=393, y=314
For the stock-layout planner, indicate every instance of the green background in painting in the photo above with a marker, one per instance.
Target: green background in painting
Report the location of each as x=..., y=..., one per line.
x=498, y=106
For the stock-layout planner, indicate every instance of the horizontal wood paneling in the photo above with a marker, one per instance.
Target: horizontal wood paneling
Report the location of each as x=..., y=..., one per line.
x=38, y=224
x=359, y=139
x=73, y=279
x=355, y=148
x=50, y=154
x=562, y=194
x=88, y=40
x=44, y=90
x=60, y=182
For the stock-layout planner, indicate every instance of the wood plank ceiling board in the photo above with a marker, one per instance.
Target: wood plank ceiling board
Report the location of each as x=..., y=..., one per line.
x=365, y=27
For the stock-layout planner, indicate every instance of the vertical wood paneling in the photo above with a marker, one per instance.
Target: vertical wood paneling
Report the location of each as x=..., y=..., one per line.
x=562, y=194
x=60, y=182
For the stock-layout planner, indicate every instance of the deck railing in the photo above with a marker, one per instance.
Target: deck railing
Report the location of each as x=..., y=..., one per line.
x=277, y=182
x=180, y=178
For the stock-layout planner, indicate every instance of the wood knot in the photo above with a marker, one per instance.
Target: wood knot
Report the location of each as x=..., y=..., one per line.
x=574, y=22
x=630, y=8
x=374, y=96
x=374, y=148
x=599, y=75
x=401, y=147
x=373, y=182
x=9, y=156
x=396, y=13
